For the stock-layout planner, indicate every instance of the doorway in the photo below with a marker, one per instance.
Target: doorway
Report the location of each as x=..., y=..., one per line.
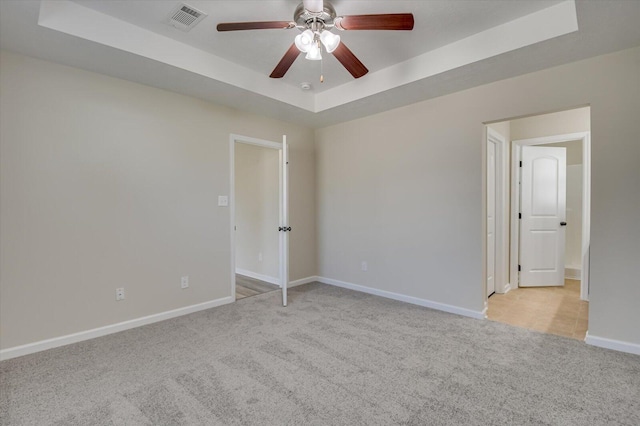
x=259, y=217
x=582, y=141
x=551, y=295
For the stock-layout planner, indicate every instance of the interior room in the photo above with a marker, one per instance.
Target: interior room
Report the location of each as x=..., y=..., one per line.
x=128, y=132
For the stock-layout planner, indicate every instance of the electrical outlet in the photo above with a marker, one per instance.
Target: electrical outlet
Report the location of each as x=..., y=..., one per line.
x=119, y=293
x=364, y=265
x=184, y=281
x=260, y=257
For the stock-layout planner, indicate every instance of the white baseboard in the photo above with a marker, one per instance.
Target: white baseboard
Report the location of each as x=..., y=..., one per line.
x=302, y=281
x=255, y=275
x=404, y=298
x=109, y=329
x=616, y=345
x=507, y=288
x=572, y=273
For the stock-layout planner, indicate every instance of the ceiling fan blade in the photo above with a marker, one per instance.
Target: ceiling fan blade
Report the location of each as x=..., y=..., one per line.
x=285, y=63
x=265, y=25
x=349, y=61
x=315, y=6
x=389, y=21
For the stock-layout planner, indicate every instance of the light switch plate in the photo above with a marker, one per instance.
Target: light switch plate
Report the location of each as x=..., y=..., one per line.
x=223, y=200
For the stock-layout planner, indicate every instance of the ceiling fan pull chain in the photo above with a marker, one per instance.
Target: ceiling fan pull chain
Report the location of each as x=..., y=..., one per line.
x=321, y=71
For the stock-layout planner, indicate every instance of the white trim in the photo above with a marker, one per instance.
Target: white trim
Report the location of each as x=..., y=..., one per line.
x=302, y=281
x=517, y=145
x=233, y=138
x=255, y=141
x=572, y=273
x=616, y=345
x=284, y=218
x=586, y=216
x=502, y=211
x=108, y=329
x=261, y=277
x=404, y=298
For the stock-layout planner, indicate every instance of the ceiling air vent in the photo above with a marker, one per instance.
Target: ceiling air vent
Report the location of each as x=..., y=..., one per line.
x=185, y=17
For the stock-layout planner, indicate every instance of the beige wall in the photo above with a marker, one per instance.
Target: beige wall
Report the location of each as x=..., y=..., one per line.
x=257, y=184
x=403, y=189
x=574, y=151
x=557, y=123
x=107, y=183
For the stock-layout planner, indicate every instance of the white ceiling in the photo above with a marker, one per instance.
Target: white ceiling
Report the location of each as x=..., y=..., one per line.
x=261, y=50
x=455, y=45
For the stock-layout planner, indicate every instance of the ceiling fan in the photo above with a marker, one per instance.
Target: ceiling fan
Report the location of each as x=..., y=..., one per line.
x=316, y=19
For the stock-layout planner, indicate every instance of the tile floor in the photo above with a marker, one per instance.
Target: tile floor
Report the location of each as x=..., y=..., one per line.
x=247, y=287
x=554, y=310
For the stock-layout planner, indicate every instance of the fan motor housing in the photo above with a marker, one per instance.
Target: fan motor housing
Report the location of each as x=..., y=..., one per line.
x=304, y=18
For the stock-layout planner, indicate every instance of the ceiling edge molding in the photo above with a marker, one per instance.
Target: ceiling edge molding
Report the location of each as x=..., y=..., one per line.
x=534, y=28
x=76, y=20
x=79, y=21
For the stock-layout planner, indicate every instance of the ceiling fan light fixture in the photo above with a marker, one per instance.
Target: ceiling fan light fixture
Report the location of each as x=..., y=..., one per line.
x=304, y=41
x=330, y=40
x=314, y=53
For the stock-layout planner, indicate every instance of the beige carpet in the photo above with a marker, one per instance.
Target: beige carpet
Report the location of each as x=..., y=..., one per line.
x=332, y=357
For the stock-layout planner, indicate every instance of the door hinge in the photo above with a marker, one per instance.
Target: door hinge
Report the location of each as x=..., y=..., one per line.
x=519, y=268
x=519, y=215
x=520, y=163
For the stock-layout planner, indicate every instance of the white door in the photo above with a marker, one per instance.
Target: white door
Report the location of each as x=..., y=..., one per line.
x=284, y=227
x=543, y=209
x=491, y=217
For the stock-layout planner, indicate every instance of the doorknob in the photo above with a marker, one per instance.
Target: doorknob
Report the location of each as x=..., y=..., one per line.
x=563, y=223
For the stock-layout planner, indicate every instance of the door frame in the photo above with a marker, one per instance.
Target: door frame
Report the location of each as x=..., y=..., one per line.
x=516, y=155
x=233, y=139
x=502, y=213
